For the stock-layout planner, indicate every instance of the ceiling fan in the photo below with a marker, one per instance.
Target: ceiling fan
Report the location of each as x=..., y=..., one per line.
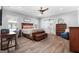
x=42, y=10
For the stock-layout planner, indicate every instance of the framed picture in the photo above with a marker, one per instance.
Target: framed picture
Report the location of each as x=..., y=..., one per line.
x=26, y=20
x=60, y=21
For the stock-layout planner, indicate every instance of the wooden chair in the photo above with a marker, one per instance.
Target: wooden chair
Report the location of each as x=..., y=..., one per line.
x=17, y=35
x=3, y=38
x=8, y=38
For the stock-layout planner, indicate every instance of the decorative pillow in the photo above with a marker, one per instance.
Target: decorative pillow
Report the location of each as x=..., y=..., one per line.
x=67, y=30
x=27, y=27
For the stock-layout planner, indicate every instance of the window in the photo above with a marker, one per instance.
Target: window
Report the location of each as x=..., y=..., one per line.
x=12, y=22
x=49, y=25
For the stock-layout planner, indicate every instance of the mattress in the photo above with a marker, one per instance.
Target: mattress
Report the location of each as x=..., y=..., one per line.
x=30, y=31
x=27, y=31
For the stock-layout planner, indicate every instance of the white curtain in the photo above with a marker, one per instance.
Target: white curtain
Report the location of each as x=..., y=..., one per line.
x=49, y=25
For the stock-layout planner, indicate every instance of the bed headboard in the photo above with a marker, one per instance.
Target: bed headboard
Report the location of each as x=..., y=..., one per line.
x=27, y=25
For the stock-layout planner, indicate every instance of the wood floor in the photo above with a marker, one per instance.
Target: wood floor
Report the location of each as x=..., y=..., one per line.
x=52, y=44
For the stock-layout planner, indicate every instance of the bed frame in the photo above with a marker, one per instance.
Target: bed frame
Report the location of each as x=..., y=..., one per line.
x=37, y=36
x=27, y=26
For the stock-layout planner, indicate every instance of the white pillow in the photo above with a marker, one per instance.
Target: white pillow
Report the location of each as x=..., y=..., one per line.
x=67, y=30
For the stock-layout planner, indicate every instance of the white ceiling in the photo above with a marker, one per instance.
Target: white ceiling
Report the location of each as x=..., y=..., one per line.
x=33, y=10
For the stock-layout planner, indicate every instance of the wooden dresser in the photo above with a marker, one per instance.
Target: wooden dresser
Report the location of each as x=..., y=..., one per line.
x=60, y=28
x=74, y=39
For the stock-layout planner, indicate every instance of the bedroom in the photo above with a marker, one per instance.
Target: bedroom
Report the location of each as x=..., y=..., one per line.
x=26, y=18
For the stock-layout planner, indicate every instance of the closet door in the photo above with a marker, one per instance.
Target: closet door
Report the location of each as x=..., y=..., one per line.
x=74, y=39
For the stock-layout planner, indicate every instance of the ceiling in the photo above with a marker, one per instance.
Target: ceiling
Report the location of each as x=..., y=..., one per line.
x=33, y=10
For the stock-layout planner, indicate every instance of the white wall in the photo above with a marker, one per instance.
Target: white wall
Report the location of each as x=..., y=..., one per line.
x=78, y=15
x=19, y=17
x=71, y=19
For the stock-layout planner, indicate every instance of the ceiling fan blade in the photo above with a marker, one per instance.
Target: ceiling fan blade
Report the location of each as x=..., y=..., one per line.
x=45, y=9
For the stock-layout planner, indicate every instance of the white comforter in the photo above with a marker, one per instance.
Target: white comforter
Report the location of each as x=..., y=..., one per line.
x=30, y=31
x=27, y=31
